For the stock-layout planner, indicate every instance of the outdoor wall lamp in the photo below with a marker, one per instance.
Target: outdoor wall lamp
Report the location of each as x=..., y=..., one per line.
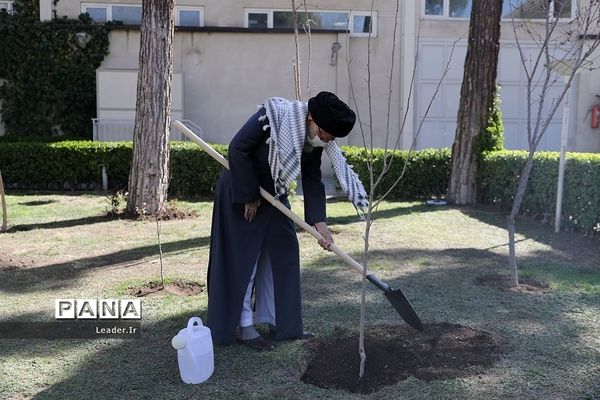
x=335, y=47
x=82, y=39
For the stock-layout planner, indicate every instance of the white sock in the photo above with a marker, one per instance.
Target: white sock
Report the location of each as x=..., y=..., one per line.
x=248, y=332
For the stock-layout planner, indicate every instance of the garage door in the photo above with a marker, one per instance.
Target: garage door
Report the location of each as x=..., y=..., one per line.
x=439, y=128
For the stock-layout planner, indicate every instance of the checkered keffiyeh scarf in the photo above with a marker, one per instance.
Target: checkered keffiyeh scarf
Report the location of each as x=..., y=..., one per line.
x=287, y=121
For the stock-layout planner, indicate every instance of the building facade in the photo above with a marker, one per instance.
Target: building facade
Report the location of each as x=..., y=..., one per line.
x=387, y=63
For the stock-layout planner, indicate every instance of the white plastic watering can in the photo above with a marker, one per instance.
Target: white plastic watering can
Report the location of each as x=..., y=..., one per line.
x=195, y=355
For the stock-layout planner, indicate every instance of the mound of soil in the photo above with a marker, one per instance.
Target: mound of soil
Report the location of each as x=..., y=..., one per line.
x=502, y=282
x=155, y=288
x=394, y=353
x=172, y=212
x=169, y=213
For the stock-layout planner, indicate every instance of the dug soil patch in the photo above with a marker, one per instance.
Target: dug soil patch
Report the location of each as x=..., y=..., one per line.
x=502, y=282
x=155, y=288
x=394, y=353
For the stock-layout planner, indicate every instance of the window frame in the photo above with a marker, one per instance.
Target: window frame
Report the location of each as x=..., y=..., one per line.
x=9, y=6
x=372, y=14
x=178, y=9
x=446, y=13
x=108, y=7
x=248, y=11
x=287, y=10
x=349, y=16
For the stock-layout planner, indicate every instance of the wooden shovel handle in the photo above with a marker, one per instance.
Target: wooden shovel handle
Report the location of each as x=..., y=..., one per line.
x=276, y=203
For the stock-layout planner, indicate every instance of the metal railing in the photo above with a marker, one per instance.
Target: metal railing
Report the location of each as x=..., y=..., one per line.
x=116, y=130
x=112, y=130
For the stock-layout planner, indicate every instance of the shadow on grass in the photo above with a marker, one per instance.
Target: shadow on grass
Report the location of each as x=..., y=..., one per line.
x=447, y=268
x=382, y=214
x=36, y=202
x=69, y=223
x=442, y=292
x=65, y=274
x=145, y=367
x=568, y=246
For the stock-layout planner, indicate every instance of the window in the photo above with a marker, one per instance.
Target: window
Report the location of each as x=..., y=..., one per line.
x=359, y=23
x=98, y=14
x=131, y=14
x=363, y=23
x=320, y=19
x=434, y=7
x=523, y=9
x=189, y=16
x=520, y=9
x=128, y=14
x=258, y=19
x=460, y=8
x=7, y=5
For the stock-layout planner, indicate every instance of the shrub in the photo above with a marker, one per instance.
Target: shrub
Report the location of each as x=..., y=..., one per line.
x=498, y=178
x=492, y=137
x=78, y=164
x=427, y=172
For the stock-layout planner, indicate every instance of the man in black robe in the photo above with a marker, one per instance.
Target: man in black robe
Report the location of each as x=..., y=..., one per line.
x=254, y=248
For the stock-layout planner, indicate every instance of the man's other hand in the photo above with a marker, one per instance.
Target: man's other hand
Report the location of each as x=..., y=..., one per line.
x=327, y=239
x=250, y=210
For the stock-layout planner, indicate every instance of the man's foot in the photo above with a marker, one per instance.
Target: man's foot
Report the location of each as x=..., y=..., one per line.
x=258, y=343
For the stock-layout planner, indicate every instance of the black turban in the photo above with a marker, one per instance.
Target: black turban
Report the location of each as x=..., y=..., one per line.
x=331, y=114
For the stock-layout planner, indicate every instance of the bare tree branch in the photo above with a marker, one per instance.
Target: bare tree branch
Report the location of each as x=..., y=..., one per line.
x=587, y=18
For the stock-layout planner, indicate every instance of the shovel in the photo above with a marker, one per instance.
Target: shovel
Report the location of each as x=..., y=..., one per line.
x=395, y=296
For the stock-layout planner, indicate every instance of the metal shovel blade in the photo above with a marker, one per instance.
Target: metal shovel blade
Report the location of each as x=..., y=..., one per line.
x=403, y=307
x=399, y=302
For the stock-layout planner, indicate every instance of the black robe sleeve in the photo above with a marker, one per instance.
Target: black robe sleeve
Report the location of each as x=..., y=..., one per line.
x=244, y=176
x=312, y=187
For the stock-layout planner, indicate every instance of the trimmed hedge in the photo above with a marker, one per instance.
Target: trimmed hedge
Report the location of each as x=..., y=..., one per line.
x=78, y=165
x=498, y=178
x=427, y=173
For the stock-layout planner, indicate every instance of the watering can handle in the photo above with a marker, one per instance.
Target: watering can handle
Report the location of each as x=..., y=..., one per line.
x=190, y=324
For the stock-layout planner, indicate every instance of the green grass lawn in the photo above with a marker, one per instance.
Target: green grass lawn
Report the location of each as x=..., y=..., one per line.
x=64, y=246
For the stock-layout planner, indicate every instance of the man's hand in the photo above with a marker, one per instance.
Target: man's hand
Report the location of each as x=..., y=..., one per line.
x=250, y=210
x=327, y=240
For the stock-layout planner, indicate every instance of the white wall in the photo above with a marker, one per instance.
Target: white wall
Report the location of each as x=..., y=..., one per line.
x=226, y=74
x=116, y=101
x=436, y=39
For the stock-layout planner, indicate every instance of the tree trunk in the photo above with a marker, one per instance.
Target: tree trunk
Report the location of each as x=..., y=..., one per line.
x=511, y=220
x=3, y=200
x=476, y=98
x=149, y=175
x=363, y=295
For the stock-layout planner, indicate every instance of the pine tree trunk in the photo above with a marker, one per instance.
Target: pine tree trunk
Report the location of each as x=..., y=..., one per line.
x=3, y=200
x=149, y=175
x=476, y=98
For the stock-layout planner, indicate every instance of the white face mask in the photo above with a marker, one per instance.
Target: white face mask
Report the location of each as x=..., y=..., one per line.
x=315, y=141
